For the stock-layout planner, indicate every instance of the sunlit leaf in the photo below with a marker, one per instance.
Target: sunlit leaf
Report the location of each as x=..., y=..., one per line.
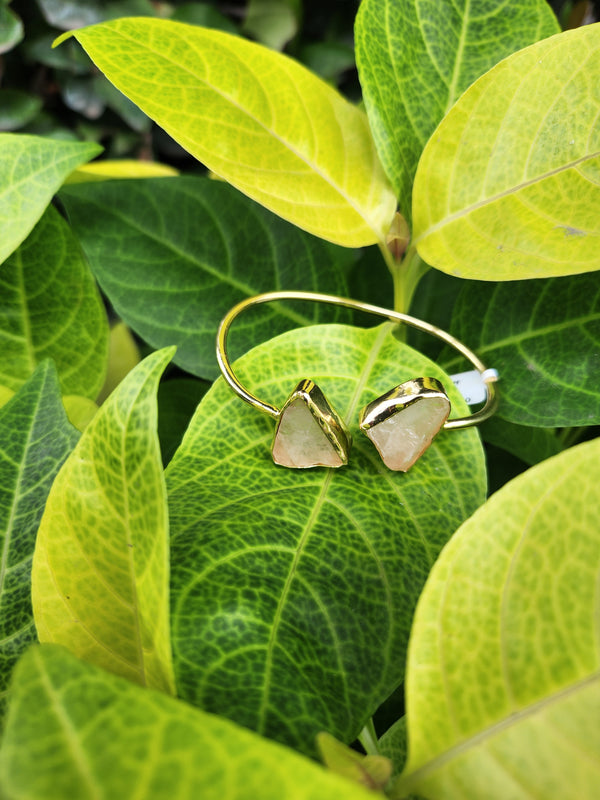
x=75, y=731
x=101, y=568
x=35, y=439
x=112, y=169
x=51, y=308
x=31, y=170
x=503, y=675
x=174, y=254
x=293, y=590
x=508, y=186
x=415, y=58
x=256, y=118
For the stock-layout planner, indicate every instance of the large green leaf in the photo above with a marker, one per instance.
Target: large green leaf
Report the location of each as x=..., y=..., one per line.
x=101, y=564
x=31, y=170
x=503, y=675
x=509, y=184
x=35, y=439
x=74, y=731
x=415, y=58
x=173, y=255
x=544, y=339
x=256, y=118
x=50, y=308
x=292, y=591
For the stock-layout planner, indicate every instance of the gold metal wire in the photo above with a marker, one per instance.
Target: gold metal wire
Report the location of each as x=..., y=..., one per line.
x=394, y=316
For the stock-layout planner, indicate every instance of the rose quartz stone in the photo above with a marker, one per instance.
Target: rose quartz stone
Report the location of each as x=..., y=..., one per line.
x=300, y=441
x=404, y=436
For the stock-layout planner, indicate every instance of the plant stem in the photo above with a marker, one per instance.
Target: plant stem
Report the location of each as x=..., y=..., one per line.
x=406, y=275
x=368, y=738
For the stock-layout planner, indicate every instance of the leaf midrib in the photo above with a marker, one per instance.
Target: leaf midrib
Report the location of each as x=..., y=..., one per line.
x=301, y=157
x=411, y=781
x=464, y=212
x=320, y=500
x=518, y=339
x=204, y=266
x=80, y=758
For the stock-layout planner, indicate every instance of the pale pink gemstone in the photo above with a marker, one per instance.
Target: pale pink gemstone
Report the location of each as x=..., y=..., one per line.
x=300, y=441
x=404, y=436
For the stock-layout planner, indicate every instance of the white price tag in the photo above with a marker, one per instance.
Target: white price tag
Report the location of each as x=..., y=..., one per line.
x=470, y=385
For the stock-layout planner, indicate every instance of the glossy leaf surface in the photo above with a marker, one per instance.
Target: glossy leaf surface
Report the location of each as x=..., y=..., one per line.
x=256, y=118
x=51, y=308
x=31, y=170
x=508, y=186
x=544, y=339
x=101, y=565
x=416, y=57
x=293, y=590
x=35, y=439
x=174, y=254
x=76, y=731
x=503, y=675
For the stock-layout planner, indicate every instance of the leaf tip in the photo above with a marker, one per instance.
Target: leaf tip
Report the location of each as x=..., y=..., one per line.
x=62, y=38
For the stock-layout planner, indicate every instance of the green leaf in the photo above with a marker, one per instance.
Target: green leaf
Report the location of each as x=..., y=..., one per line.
x=415, y=58
x=51, y=308
x=393, y=745
x=544, y=339
x=256, y=118
x=272, y=22
x=101, y=565
x=503, y=675
x=292, y=591
x=203, y=14
x=35, y=439
x=17, y=108
x=75, y=731
x=508, y=186
x=174, y=254
x=31, y=170
x=531, y=445
x=11, y=29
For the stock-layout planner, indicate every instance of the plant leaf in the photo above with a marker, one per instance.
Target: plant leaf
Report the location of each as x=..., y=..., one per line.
x=35, y=439
x=292, y=591
x=76, y=731
x=52, y=309
x=11, y=29
x=503, y=675
x=531, y=445
x=113, y=169
x=508, y=186
x=414, y=62
x=31, y=170
x=190, y=248
x=544, y=339
x=256, y=118
x=101, y=567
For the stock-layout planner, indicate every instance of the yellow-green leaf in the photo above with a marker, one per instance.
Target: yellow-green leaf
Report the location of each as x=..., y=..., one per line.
x=256, y=118
x=503, y=675
x=508, y=186
x=75, y=732
x=31, y=169
x=112, y=169
x=100, y=569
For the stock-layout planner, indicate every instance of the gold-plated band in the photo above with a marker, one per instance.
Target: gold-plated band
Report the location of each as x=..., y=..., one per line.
x=489, y=376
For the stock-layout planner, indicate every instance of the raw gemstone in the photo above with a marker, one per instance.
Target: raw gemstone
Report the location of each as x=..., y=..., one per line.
x=300, y=441
x=404, y=436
